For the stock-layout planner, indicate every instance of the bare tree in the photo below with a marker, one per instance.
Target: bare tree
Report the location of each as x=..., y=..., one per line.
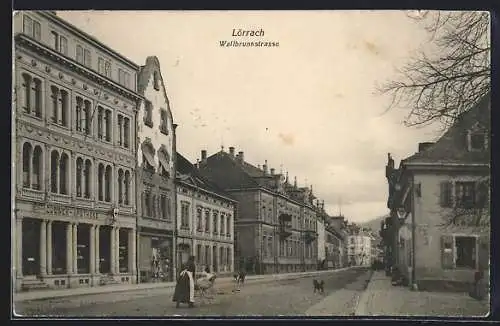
x=442, y=84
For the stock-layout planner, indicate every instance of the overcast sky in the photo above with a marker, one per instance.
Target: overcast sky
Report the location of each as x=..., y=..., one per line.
x=308, y=105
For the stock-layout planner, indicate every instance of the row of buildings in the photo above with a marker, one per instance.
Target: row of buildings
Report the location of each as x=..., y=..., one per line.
x=101, y=195
x=438, y=230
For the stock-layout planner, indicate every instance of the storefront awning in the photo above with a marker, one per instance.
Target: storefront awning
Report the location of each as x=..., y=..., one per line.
x=164, y=159
x=148, y=154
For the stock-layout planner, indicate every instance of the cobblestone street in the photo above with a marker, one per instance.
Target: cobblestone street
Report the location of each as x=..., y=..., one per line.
x=284, y=297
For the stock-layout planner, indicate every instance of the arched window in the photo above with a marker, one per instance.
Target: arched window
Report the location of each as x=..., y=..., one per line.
x=54, y=171
x=79, y=115
x=88, y=115
x=107, y=183
x=26, y=93
x=107, y=117
x=127, y=188
x=63, y=174
x=120, y=186
x=37, y=168
x=37, y=97
x=27, y=151
x=79, y=173
x=55, y=108
x=100, y=182
x=87, y=177
x=64, y=107
x=100, y=117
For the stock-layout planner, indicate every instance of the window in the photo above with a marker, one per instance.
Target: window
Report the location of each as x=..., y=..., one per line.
x=165, y=206
x=104, y=124
x=123, y=131
x=164, y=121
x=148, y=114
x=270, y=246
x=107, y=125
x=207, y=221
x=63, y=174
x=31, y=97
x=198, y=253
x=79, y=174
x=87, y=58
x=446, y=194
x=156, y=81
x=477, y=141
x=123, y=78
x=228, y=225
x=215, y=217
x=459, y=251
x=199, y=219
x=107, y=183
x=55, y=40
x=32, y=166
x=59, y=42
x=146, y=203
x=222, y=226
x=465, y=194
x=120, y=186
x=87, y=175
x=86, y=116
x=100, y=182
x=104, y=67
x=60, y=106
x=63, y=45
x=185, y=215
x=126, y=194
x=79, y=54
x=32, y=27
x=207, y=255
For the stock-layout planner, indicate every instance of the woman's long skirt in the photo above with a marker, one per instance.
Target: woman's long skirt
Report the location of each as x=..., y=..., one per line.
x=184, y=289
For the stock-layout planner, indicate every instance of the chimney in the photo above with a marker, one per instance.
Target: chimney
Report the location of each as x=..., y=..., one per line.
x=231, y=151
x=241, y=157
x=272, y=171
x=264, y=167
x=203, y=155
x=424, y=146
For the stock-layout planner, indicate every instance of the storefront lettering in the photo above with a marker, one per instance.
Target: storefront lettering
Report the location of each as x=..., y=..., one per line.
x=67, y=211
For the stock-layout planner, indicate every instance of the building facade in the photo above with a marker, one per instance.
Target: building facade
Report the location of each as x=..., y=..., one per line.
x=440, y=204
x=205, y=221
x=359, y=249
x=74, y=109
x=275, y=225
x=156, y=193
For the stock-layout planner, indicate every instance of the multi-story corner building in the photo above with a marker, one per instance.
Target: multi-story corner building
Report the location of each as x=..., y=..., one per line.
x=440, y=204
x=74, y=112
x=359, y=248
x=205, y=221
x=275, y=225
x=156, y=143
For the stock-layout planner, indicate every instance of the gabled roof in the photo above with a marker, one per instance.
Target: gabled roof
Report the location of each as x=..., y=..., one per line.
x=222, y=169
x=189, y=174
x=452, y=146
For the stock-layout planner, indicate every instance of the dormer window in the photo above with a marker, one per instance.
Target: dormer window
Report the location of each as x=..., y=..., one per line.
x=477, y=141
x=156, y=81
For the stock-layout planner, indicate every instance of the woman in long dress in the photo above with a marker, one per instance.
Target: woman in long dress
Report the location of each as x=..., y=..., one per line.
x=184, y=289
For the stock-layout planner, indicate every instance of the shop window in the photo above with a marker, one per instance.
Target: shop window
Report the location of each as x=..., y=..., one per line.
x=123, y=250
x=83, y=250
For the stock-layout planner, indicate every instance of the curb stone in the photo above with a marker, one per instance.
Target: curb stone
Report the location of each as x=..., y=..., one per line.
x=251, y=279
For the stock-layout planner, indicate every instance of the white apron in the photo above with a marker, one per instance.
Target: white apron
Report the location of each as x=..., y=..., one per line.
x=191, y=284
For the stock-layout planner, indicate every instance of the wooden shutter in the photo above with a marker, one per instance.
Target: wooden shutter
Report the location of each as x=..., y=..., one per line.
x=447, y=252
x=445, y=194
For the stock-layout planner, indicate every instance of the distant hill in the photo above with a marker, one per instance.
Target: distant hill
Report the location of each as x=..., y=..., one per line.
x=374, y=224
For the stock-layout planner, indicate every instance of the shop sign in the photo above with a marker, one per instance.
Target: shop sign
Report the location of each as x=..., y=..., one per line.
x=69, y=212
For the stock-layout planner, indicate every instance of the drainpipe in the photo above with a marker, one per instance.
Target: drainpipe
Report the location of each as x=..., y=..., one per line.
x=174, y=231
x=414, y=227
x=137, y=238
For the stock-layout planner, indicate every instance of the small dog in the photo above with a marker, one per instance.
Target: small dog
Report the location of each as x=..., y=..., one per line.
x=239, y=277
x=319, y=286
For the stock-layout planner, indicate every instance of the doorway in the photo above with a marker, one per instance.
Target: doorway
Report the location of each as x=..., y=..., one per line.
x=105, y=249
x=31, y=247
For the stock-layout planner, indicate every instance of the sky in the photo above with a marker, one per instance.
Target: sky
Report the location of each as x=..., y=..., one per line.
x=308, y=106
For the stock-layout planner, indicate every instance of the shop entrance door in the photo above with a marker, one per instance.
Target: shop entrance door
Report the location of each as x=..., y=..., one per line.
x=31, y=245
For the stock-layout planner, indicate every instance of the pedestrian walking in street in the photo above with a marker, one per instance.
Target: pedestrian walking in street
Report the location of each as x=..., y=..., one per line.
x=184, y=288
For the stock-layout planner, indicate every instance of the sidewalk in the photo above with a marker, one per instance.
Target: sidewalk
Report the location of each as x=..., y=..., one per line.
x=223, y=281
x=381, y=298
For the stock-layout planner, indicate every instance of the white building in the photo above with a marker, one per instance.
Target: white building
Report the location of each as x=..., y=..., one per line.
x=205, y=221
x=359, y=249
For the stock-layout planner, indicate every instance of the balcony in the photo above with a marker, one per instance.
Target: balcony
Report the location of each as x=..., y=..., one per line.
x=285, y=225
x=310, y=236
